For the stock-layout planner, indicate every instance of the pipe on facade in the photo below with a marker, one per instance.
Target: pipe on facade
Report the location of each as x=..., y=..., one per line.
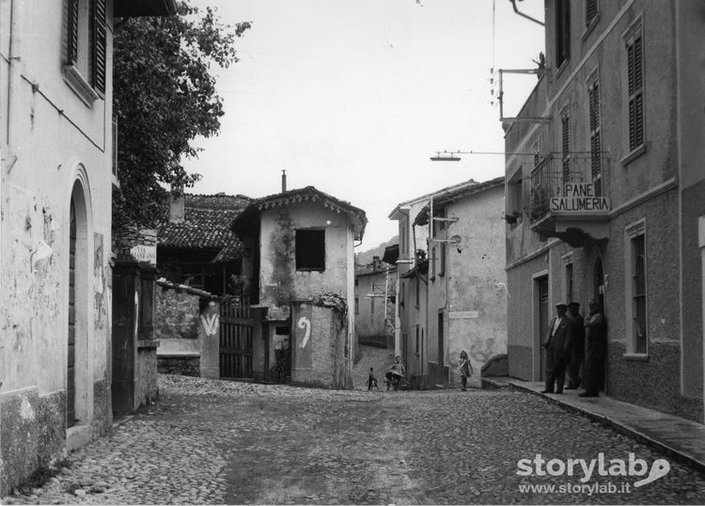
x=14, y=71
x=516, y=10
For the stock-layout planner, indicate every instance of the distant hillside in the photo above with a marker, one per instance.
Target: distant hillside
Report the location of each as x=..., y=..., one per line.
x=365, y=257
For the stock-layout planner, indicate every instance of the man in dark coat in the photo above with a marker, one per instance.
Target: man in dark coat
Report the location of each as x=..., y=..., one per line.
x=556, y=356
x=596, y=337
x=576, y=345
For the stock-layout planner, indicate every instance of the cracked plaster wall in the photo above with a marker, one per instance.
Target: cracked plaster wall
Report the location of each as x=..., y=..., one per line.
x=49, y=139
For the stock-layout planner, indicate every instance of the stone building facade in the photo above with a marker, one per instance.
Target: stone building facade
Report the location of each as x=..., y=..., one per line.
x=604, y=188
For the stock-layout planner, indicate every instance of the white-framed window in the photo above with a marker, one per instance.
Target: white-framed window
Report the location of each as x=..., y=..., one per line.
x=636, y=289
x=86, y=45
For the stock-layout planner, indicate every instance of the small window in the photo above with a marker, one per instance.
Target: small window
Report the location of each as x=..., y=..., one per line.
x=281, y=331
x=357, y=305
x=310, y=250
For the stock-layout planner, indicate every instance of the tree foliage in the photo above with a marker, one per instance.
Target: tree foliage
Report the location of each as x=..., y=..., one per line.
x=165, y=96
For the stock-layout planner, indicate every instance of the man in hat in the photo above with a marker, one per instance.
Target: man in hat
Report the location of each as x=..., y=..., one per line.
x=576, y=345
x=596, y=337
x=556, y=350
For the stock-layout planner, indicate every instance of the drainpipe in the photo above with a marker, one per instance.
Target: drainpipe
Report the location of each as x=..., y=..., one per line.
x=514, y=4
x=15, y=75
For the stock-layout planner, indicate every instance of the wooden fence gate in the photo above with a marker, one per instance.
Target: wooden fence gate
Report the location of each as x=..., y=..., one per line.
x=236, y=331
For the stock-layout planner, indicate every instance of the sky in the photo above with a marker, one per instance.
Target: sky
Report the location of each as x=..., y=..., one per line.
x=354, y=97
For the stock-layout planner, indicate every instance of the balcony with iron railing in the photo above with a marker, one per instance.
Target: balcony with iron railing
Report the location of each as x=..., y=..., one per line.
x=569, y=197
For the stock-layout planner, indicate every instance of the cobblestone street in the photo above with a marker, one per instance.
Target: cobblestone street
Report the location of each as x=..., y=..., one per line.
x=224, y=442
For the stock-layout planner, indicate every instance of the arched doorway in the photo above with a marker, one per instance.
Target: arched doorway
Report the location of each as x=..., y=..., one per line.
x=77, y=356
x=71, y=362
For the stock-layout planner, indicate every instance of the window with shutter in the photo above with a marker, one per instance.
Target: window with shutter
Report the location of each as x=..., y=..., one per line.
x=98, y=42
x=86, y=44
x=590, y=11
x=635, y=88
x=595, y=141
x=565, y=146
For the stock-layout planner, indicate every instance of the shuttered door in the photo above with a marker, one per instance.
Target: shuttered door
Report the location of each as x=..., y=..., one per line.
x=71, y=366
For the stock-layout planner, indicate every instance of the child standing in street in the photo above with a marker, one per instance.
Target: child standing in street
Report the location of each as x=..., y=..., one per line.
x=465, y=369
x=372, y=380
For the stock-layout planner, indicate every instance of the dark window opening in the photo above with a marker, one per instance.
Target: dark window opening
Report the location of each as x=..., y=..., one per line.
x=281, y=331
x=310, y=250
x=562, y=31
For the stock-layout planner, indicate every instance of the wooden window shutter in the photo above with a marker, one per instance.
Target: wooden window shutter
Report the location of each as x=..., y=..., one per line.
x=72, y=33
x=98, y=44
x=635, y=84
x=565, y=144
x=590, y=11
x=595, y=143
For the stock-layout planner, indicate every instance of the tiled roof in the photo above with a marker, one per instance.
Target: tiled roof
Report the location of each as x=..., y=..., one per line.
x=292, y=197
x=206, y=225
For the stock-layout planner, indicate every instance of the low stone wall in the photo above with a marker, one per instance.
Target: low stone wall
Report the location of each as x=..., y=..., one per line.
x=187, y=324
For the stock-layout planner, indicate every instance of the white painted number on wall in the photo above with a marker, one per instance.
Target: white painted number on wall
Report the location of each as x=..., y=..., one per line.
x=304, y=323
x=210, y=323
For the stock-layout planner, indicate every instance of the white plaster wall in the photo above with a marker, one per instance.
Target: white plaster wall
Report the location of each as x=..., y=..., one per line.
x=476, y=279
x=53, y=140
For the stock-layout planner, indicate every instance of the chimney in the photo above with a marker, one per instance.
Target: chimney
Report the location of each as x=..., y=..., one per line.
x=376, y=263
x=283, y=180
x=176, y=208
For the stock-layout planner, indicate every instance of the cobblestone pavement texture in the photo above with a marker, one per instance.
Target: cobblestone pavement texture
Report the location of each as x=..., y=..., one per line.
x=210, y=441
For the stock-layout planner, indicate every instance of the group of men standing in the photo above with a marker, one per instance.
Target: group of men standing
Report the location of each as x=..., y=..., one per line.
x=565, y=349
